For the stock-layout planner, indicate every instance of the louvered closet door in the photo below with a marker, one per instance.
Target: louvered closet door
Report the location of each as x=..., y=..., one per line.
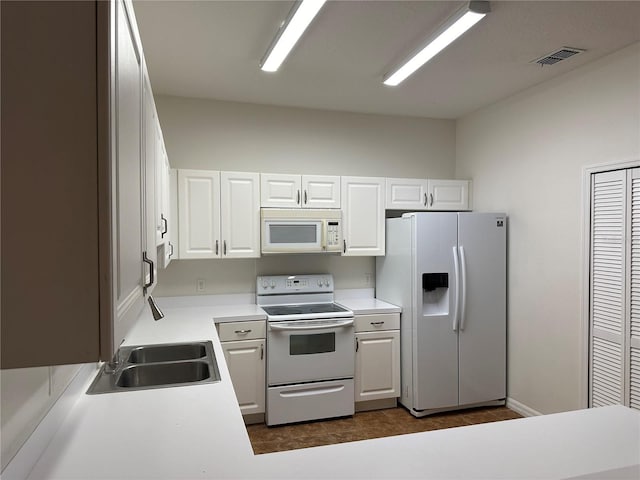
x=608, y=287
x=615, y=288
x=634, y=292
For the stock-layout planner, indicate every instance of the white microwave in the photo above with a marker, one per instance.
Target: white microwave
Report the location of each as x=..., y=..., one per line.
x=301, y=230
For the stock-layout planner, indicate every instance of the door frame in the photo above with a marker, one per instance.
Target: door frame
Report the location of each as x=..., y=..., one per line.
x=585, y=270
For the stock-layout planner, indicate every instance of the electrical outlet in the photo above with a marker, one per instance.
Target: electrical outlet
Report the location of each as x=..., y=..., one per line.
x=367, y=279
x=200, y=285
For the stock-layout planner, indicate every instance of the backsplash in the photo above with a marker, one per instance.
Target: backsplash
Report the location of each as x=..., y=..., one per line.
x=215, y=277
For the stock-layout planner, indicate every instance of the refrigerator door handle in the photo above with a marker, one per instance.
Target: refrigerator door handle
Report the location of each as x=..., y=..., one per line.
x=456, y=267
x=463, y=269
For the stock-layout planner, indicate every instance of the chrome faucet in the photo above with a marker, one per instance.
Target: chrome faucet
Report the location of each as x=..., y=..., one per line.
x=155, y=310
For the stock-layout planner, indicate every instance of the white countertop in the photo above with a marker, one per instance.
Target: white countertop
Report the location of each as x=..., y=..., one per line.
x=197, y=432
x=364, y=306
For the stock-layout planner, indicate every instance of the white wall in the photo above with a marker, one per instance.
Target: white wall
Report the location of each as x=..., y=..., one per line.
x=526, y=155
x=26, y=395
x=215, y=135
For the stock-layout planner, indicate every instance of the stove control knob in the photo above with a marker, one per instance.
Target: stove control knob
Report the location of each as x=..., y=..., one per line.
x=319, y=282
x=273, y=284
x=265, y=284
x=326, y=283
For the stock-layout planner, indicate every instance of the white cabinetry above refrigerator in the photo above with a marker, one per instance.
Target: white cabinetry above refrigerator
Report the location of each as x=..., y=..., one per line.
x=422, y=194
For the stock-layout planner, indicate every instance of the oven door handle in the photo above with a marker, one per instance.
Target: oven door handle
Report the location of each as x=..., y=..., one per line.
x=323, y=326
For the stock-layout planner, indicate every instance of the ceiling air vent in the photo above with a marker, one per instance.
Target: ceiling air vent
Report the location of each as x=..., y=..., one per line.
x=558, y=55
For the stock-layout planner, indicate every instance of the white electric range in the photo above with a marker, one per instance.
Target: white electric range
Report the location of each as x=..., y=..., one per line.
x=310, y=349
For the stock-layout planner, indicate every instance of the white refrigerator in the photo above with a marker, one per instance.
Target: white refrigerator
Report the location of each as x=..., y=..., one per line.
x=448, y=273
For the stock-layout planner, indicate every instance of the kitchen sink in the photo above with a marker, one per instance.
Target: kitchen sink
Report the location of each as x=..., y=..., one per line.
x=151, y=375
x=167, y=353
x=158, y=366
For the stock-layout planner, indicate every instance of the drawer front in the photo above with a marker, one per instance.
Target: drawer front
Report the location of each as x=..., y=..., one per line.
x=310, y=401
x=376, y=322
x=241, y=330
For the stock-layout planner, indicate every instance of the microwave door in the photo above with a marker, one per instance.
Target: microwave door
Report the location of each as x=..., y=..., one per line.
x=292, y=236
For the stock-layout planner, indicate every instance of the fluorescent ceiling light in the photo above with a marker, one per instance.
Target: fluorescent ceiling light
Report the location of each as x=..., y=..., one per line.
x=290, y=31
x=456, y=25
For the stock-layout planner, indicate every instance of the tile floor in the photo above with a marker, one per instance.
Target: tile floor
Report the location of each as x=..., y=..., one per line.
x=365, y=425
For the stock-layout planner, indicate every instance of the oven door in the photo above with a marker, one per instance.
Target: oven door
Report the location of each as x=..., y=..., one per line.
x=310, y=350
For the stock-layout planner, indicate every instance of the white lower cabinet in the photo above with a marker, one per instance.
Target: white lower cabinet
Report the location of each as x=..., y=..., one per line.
x=244, y=347
x=377, y=375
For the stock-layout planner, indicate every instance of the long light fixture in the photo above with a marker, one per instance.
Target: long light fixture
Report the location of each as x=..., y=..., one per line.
x=289, y=33
x=452, y=28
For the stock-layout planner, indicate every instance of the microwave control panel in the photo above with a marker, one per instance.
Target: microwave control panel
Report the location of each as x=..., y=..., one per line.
x=333, y=235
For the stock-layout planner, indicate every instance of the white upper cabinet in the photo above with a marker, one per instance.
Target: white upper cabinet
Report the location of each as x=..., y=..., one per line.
x=299, y=191
x=406, y=194
x=150, y=183
x=280, y=190
x=363, y=205
x=448, y=194
x=240, y=214
x=422, y=194
x=219, y=214
x=199, y=213
x=320, y=191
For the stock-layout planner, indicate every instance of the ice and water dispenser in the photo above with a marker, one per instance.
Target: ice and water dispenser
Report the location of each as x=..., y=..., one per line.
x=435, y=293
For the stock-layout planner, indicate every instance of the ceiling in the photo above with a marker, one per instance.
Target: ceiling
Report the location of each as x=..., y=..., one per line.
x=211, y=49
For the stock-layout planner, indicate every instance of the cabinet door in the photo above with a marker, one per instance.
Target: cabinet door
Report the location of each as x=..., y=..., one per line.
x=166, y=209
x=448, y=194
x=173, y=227
x=320, y=191
x=406, y=194
x=199, y=213
x=363, y=215
x=280, y=190
x=150, y=175
x=127, y=207
x=240, y=214
x=161, y=213
x=377, y=373
x=245, y=361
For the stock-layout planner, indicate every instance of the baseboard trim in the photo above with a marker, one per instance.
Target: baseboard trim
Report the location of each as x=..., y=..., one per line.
x=383, y=403
x=521, y=408
x=21, y=465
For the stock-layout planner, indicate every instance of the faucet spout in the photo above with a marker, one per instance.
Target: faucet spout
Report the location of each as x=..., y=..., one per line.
x=155, y=310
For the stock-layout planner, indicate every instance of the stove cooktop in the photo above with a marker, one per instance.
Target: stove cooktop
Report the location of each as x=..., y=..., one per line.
x=304, y=309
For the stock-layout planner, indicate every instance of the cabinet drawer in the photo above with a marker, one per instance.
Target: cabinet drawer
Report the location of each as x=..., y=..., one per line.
x=241, y=330
x=375, y=322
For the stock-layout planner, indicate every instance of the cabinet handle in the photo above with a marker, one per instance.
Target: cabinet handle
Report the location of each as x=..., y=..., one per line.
x=242, y=332
x=377, y=323
x=261, y=351
x=224, y=247
x=151, y=273
x=171, y=252
x=166, y=225
x=431, y=199
x=357, y=344
x=298, y=198
x=344, y=246
x=425, y=199
x=305, y=197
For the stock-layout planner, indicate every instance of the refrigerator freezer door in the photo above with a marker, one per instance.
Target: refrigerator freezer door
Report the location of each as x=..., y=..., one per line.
x=482, y=337
x=435, y=343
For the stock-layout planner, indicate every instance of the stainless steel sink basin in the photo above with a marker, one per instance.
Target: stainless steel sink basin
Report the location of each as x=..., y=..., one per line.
x=158, y=366
x=167, y=353
x=154, y=374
